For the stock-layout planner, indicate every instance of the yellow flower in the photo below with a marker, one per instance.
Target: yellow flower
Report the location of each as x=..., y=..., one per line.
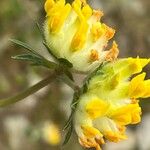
x=51, y=134
x=74, y=32
x=111, y=102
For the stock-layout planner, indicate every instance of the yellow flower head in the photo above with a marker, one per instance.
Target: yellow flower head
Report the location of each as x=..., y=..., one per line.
x=74, y=32
x=111, y=102
x=51, y=134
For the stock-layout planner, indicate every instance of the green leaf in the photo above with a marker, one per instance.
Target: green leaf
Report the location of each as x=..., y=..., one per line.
x=68, y=123
x=24, y=45
x=73, y=107
x=68, y=135
x=65, y=62
x=29, y=57
x=36, y=60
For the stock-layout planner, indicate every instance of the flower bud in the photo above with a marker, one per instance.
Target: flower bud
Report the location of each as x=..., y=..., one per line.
x=111, y=102
x=75, y=32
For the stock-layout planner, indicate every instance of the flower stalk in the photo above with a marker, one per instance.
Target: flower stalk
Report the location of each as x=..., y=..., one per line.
x=33, y=89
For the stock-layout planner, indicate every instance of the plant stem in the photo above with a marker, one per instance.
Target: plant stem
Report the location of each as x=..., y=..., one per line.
x=29, y=91
x=79, y=72
x=37, y=87
x=69, y=82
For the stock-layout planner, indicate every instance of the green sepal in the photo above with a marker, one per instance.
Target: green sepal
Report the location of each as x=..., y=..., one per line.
x=65, y=62
x=44, y=41
x=69, y=74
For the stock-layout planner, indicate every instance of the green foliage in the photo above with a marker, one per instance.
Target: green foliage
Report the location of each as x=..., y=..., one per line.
x=69, y=133
x=25, y=46
x=36, y=60
x=33, y=56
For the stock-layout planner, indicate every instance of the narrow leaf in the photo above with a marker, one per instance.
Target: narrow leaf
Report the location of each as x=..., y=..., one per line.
x=68, y=123
x=68, y=135
x=36, y=60
x=28, y=57
x=24, y=45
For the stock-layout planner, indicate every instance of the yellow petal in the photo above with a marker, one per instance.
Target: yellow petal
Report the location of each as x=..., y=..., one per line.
x=80, y=36
x=130, y=66
x=146, y=93
x=137, y=87
x=96, y=108
x=87, y=11
x=97, y=31
x=76, y=5
x=48, y=5
x=137, y=64
x=57, y=20
x=90, y=132
x=136, y=115
x=114, y=136
x=127, y=114
x=90, y=143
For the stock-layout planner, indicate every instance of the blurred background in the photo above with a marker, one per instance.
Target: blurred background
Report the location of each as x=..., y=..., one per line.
x=24, y=125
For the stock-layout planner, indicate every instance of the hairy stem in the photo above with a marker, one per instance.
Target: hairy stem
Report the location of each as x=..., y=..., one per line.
x=29, y=91
x=69, y=82
x=37, y=87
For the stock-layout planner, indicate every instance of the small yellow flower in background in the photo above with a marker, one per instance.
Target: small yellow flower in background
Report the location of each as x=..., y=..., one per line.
x=74, y=32
x=111, y=102
x=51, y=134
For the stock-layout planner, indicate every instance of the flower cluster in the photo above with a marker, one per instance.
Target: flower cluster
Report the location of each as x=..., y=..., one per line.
x=111, y=102
x=74, y=32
